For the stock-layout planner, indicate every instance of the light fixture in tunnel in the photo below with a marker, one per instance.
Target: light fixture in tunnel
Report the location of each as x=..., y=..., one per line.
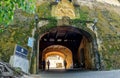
x=51, y=39
x=59, y=40
x=45, y=39
x=65, y=40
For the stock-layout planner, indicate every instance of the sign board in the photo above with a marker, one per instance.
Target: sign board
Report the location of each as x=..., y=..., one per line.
x=20, y=51
x=22, y=63
x=30, y=42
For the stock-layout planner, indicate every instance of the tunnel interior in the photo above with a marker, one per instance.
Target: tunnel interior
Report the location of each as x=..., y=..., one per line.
x=69, y=37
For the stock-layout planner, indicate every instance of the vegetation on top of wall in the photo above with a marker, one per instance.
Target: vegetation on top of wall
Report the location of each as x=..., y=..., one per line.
x=84, y=11
x=83, y=17
x=52, y=23
x=78, y=23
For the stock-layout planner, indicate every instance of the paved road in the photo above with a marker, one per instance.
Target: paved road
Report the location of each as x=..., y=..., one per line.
x=79, y=74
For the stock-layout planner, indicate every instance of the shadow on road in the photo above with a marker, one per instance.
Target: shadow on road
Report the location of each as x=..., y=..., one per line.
x=65, y=71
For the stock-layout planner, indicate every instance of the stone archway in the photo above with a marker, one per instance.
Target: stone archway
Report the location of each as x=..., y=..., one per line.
x=75, y=40
x=61, y=51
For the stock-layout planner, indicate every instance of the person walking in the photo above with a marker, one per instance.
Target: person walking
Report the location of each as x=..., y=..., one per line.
x=43, y=65
x=65, y=64
x=48, y=64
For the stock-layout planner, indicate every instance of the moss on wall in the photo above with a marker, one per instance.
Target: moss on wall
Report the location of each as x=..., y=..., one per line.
x=52, y=23
x=17, y=33
x=44, y=10
x=108, y=27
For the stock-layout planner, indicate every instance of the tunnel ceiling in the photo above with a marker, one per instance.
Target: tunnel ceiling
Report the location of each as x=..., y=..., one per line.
x=63, y=35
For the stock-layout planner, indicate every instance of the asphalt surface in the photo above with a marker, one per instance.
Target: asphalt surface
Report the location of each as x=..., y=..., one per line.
x=78, y=74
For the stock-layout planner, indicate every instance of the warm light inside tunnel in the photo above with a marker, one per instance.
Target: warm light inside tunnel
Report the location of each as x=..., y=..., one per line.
x=56, y=62
x=56, y=54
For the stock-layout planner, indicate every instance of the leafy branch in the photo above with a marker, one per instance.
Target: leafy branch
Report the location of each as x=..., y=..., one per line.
x=8, y=6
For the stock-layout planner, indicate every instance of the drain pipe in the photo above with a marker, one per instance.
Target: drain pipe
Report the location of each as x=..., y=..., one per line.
x=95, y=44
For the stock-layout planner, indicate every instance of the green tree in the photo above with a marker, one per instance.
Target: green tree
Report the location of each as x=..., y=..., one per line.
x=7, y=8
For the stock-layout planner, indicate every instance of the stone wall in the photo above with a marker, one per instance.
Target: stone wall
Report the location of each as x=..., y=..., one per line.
x=16, y=33
x=108, y=27
x=112, y=2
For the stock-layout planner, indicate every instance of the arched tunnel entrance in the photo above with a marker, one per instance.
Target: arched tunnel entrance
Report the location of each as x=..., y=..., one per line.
x=68, y=43
x=57, y=54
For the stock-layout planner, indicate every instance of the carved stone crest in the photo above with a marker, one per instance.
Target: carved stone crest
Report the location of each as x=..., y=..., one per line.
x=63, y=8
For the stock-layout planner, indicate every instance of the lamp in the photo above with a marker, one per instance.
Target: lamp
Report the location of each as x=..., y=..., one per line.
x=36, y=20
x=35, y=32
x=94, y=25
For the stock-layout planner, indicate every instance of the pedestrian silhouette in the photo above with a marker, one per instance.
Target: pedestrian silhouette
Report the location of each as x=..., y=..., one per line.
x=43, y=65
x=65, y=64
x=48, y=64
